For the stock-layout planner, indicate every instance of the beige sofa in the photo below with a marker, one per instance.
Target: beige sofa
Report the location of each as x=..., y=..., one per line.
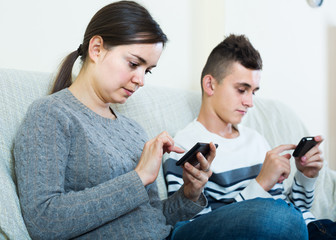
x=156, y=109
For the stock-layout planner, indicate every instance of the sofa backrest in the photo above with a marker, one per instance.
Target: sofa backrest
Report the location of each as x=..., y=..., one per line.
x=155, y=108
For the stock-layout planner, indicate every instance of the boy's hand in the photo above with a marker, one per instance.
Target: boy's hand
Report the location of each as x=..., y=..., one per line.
x=311, y=163
x=275, y=168
x=196, y=177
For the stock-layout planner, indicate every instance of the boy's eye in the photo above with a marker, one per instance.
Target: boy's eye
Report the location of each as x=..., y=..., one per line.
x=241, y=90
x=148, y=71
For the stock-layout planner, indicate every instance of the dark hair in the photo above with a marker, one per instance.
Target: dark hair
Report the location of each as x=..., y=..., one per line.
x=234, y=48
x=119, y=23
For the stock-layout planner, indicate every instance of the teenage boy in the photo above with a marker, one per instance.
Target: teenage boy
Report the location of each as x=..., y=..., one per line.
x=244, y=167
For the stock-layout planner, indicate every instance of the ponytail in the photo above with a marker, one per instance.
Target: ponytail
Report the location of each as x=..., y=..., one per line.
x=64, y=75
x=118, y=23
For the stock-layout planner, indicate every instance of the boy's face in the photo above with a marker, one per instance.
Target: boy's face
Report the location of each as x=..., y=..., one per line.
x=234, y=95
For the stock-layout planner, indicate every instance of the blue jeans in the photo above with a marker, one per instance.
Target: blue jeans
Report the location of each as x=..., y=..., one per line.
x=322, y=229
x=251, y=219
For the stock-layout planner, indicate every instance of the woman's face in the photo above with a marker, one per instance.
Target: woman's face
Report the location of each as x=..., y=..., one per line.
x=121, y=70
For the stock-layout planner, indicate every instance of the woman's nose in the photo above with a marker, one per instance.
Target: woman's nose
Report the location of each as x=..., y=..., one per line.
x=139, y=78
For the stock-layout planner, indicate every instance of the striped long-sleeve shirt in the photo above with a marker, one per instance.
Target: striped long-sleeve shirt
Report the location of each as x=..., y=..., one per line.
x=238, y=162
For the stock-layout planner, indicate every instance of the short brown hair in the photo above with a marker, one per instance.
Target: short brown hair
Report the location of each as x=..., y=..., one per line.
x=234, y=48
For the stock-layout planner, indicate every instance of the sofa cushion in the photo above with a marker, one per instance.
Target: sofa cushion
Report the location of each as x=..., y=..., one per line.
x=18, y=90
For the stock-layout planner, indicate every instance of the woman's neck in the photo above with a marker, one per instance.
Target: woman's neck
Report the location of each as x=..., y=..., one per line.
x=83, y=90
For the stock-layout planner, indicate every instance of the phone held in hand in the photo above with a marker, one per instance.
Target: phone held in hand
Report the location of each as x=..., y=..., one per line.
x=190, y=156
x=304, y=146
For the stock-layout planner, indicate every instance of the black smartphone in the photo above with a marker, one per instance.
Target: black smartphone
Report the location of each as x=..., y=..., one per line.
x=304, y=146
x=190, y=156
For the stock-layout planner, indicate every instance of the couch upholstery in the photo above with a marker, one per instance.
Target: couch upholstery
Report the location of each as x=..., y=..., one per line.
x=156, y=109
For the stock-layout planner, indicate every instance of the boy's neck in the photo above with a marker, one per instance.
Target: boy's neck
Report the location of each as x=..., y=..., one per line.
x=225, y=130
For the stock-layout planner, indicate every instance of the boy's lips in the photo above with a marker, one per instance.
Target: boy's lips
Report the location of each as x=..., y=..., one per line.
x=243, y=112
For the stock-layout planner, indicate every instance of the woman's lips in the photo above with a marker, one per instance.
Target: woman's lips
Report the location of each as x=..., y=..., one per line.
x=128, y=92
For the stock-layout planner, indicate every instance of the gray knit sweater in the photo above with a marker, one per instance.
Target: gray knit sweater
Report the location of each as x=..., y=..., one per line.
x=76, y=178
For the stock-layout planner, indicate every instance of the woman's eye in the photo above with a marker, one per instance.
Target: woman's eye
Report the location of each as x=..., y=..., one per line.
x=148, y=71
x=133, y=65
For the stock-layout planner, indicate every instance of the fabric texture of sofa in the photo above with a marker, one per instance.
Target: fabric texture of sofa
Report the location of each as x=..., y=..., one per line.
x=156, y=109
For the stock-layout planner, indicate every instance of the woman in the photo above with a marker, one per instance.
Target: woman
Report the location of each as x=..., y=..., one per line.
x=85, y=171
x=81, y=166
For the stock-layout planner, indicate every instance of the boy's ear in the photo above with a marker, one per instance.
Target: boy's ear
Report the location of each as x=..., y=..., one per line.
x=95, y=48
x=208, y=83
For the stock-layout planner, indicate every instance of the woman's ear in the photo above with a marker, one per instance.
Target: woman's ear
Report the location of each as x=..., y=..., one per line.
x=95, y=48
x=208, y=83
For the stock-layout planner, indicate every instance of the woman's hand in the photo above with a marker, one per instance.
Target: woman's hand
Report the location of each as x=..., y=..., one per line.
x=196, y=177
x=312, y=162
x=151, y=157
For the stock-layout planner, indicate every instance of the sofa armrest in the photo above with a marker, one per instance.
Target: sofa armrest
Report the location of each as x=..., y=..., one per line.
x=18, y=90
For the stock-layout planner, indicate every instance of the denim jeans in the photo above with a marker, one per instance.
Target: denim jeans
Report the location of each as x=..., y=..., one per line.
x=322, y=229
x=251, y=219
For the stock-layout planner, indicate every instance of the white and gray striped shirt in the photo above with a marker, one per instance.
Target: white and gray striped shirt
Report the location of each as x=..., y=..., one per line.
x=238, y=162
